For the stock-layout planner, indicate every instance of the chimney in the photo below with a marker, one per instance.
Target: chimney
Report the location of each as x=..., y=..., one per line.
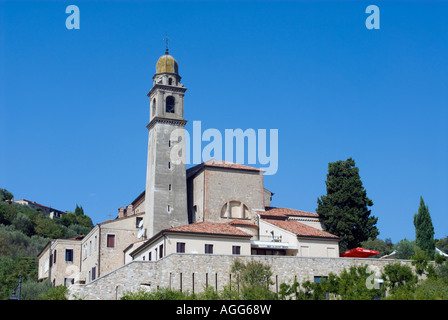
x=121, y=212
x=129, y=210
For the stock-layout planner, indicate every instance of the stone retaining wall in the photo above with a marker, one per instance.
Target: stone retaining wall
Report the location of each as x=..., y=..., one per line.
x=193, y=272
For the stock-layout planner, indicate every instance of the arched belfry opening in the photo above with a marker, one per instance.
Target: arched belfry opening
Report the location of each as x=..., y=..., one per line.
x=170, y=104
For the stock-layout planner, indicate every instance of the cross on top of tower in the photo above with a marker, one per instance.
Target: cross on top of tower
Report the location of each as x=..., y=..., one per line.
x=166, y=39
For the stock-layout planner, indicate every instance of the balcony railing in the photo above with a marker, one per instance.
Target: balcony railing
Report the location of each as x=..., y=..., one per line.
x=268, y=238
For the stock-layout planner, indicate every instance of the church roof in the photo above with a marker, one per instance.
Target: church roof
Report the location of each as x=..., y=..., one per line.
x=214, y=228
x=284, y=213
x=300, y=229
x=239, y=222
x=213, y=163
x=205, y=228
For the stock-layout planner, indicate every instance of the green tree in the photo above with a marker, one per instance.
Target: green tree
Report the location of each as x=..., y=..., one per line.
x=344, y=210
x=79, y=211
x=7, y=213
x=349, y=284
x=77, y=217
x=289, y=291
x=85, y=221
x=55, y=293
x=383, y=247
x=11, y=268
x=404, y=249
x=46, y=227
x=5, y=195
x=428, y=289
x=420, y=260
x=68, y=219
x=397, y=275
x=424, y=230
x=254, y=278
x=33, y=289
x=442, y=244
x=441, y=268
x=23, y=223
x=352, y=284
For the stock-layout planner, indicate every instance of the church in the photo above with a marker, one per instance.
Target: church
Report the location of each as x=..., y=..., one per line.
x=213, y=208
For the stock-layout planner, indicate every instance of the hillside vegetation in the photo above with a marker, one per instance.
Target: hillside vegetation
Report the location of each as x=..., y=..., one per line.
x=24, y=232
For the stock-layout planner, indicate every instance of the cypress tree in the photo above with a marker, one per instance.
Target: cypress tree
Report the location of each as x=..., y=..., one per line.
x=344, y=210
x=424, y=230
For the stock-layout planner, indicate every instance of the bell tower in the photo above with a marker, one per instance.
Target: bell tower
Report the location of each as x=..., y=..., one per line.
x=166, y=187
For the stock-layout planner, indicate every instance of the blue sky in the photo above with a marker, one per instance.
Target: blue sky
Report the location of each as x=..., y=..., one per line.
x=73, y=105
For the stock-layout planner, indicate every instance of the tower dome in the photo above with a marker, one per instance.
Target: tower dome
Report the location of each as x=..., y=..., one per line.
x=167, y=64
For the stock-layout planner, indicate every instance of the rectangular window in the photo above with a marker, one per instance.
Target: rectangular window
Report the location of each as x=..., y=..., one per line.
x=209, y=248
x=111, y=241
x=161, y=251
x=180, y=247
x=93, y=273
x=195, y=213
x=69, y=255
x=320, y=278
x=150, y=256
x=137, y=222
x=236, y=249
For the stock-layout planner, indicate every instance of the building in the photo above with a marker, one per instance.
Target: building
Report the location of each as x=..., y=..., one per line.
x=47, y=211
x=83, y=259
x=59, y=261
x=213, y=208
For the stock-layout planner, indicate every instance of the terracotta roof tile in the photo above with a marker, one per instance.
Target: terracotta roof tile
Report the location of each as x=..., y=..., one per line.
x=285, y=212
x=300, y=229
x=209, y=228
x=238, y=222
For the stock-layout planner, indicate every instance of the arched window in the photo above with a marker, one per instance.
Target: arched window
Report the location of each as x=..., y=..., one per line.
x=170, y=81
x=170, y=104
x=235, y=210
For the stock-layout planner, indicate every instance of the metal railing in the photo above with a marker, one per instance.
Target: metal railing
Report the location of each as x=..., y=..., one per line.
x=268, y=238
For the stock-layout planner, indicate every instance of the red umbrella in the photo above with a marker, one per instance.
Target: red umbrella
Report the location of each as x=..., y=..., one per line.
x=359, y=253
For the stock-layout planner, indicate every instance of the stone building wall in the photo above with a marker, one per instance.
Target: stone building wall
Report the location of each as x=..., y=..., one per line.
x=125, y=231
x=224, y=185
x=193, y=272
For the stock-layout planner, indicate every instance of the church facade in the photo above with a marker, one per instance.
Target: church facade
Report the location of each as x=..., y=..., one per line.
x=213, y=208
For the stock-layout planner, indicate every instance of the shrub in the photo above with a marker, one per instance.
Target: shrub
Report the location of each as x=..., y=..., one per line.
x=160, y=294
x=55, y=293
x=32, y=289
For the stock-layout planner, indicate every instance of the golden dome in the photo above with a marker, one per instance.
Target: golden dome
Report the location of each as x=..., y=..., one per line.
x=166, y=63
